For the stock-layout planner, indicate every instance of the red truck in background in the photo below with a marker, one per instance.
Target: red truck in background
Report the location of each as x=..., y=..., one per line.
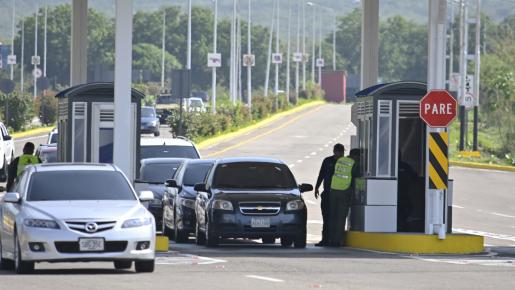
x=334, y=83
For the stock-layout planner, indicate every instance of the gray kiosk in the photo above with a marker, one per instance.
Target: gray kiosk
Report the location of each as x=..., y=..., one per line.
x=86, y=124
x=390, y=194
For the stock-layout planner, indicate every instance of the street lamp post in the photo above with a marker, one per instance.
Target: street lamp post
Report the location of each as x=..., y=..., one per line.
x=313, y=42
x=303, y=46
x=288, y=52
x=35, y=53
x=22, y=61
x=297, y=50
x=249, y=52
x=276, y=88
x=213, y=80
x=12, y=35
x=269, y=56
x=319, y=46
x=45, y=41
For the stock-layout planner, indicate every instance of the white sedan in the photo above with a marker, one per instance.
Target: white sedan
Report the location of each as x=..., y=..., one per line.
x=75, y=213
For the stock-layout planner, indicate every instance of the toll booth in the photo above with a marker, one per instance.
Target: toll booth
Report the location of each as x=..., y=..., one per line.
x=86, y=124
x=390, y=194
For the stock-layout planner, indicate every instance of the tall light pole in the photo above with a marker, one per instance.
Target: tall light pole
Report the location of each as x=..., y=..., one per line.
x=163, y=41
x=249, y=52
x=269, y=56
x=334, y=42
x=215, y=35
x=477, y=74
x=298, y=51
x=288, y=52
x=313, y=42
x=232, y=81
x=303, y=46
x=276, y=88
x=13, y=16
x=22, y=65
x=45, y=41
x=238, y=53
x=463, y=70
x=35, y=53
x=188, y=60
x=319, y=45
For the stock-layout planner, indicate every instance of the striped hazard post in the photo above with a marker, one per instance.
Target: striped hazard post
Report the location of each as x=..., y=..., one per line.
x=438, y=160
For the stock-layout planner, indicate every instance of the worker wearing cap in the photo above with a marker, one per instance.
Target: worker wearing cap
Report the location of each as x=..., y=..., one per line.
x=19, y=163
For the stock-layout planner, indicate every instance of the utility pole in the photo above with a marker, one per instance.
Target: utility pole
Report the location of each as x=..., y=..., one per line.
x=45, y=42
x=12, y=35
x=22, y=65
x=451, y=45
x=313, y=44
x=463, y=70
x=477, y=74
x=35, y=52
x=163, y=41
x=319, y=45
x=288, y=49
x=276, y=88
x=188, y=60
x=213, y=79
x=334, y=42
x=249, y=52
x=303, y=45
x=232, y=80
x=238, y=58
x=269, y=57
x=298, y=51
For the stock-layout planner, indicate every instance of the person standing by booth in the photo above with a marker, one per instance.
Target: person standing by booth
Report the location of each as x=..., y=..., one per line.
x=19, y=163
x=325, y=175
x=340, y=199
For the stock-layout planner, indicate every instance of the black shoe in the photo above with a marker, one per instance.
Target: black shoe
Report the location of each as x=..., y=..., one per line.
x=322, y=244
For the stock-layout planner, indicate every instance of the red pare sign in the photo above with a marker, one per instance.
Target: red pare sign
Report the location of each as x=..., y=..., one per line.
x=438, y=108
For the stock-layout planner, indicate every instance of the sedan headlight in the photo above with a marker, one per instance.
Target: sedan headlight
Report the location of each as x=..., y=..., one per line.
x=40, y=223
x=295, y=205
x=189, y=203
x=222, y=204
x=134, y=223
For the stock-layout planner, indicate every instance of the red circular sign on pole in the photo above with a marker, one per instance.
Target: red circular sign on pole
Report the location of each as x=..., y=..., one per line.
x=438, y=108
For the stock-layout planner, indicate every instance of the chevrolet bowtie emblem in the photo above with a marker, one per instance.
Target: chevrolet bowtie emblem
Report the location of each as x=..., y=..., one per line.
x=260, y=208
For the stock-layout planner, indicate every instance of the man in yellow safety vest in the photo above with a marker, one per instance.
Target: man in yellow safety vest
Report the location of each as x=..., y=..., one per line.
x=341, y=196
x=19, y=163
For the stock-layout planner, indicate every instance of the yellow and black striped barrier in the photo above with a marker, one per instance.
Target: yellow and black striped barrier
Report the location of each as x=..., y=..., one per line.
x=438, y=160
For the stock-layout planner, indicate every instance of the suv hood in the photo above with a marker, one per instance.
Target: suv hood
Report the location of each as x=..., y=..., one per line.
x=257, y=195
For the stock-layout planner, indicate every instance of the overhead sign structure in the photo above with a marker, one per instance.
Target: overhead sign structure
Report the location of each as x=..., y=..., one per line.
x=438, y=108
x=438, y=160
x=249, y=60
x=11, y=59
x=277, y=58
x=214, y=60
x=320, y=62
x=297, y=57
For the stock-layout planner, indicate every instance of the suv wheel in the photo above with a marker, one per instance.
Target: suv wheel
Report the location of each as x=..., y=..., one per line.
x=212, y=240
x=145, y=266
x=200, y=238
x=121, y=265
x=20, y=266
x=157, y=133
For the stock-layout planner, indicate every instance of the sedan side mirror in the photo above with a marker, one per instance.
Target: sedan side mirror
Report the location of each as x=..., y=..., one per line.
x=305, y=187
x=12, y=197
x=171, y=183
x=201, y=187
x=146, y=195
x=7, y=138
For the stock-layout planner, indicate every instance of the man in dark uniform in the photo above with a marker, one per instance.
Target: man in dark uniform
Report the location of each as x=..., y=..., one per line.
x=325, y=176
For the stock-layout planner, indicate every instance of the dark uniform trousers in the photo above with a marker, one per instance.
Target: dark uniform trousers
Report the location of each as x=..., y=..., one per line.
x=326, y=214
x=340, y=201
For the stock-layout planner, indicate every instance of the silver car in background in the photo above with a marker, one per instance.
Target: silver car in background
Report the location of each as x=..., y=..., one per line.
x=75, y=213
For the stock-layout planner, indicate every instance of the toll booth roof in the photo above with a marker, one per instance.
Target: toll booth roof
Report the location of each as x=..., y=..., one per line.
x=94, y=89
x=410, y=88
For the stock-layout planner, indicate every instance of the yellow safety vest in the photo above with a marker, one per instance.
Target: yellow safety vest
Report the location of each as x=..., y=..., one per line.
x=342, y=177
x=25, y=160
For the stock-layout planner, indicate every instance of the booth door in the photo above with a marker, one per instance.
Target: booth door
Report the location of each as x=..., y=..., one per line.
x=102, y=134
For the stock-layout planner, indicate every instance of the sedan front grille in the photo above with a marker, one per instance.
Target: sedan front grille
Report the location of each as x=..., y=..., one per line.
x=73, y=247
x=260, y=208
x=80, y=226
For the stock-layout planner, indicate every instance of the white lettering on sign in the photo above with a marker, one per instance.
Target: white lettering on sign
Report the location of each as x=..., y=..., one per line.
x=438, y=109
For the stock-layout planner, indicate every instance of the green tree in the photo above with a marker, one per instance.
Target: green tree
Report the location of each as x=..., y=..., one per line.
x=148, y=57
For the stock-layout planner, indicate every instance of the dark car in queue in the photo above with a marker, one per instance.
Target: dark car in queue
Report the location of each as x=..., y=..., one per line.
x=253, y=198
x=47, y=153
x=179, y=199
x=153, y=174
x=150, y=122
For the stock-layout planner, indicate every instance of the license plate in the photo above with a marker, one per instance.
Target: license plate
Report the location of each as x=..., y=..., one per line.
x=260, y=222
x=91, y=244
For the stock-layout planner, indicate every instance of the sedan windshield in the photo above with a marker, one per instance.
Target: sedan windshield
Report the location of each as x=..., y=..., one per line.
x=79, y=185
x=196, y=173
x=147, y=112
x=168, y=151
x=159, y=172
x=253, y=175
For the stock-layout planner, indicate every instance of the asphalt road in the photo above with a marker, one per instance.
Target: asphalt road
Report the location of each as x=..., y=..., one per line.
x=484, y=203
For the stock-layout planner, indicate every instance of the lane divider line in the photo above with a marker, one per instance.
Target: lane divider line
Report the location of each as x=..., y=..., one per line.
x=269, y=279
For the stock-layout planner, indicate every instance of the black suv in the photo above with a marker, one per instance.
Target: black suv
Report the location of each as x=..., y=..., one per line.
x=254, y=198
x=179, y=199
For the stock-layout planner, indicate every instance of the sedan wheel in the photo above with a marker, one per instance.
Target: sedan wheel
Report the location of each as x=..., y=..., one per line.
x=212, y=240
x=4, y=263
x=145, y=266
x=20, y=266
x=300, y=241
x=181, y=237
x=166, y=230
x=286, y=242
x=121, y=265
x=199, y=236
x=268, y=240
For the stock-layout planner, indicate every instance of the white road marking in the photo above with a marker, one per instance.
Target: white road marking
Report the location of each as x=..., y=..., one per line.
x=320, y=149
x=30, y=138
x=269, y=279
x=482, y=262
x=485, y=234
x=299, y=161
x=317, y=222
x=291, y=165
x=326, y=145
x=314, y=153
x=503, y=215
x=456, y=206
x=307, y=157
x=310, y=202
x=186, y=259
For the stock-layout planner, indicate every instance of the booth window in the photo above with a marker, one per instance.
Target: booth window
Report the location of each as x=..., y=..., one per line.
x=384, y=138
x=365, y=136
x=79, y=132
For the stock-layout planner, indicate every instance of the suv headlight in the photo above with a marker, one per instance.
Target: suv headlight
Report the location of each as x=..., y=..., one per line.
x=134, y=223
x=295, y=205
x=189, y=203
x=40, y=223
x=222, y=204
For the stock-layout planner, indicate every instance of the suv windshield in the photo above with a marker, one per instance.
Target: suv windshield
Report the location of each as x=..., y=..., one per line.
x=167, y=100
x=196, y=173
x=79, y=185
x=147, y=112
x=159, y=172
x=168, y=151
x=253, y=175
